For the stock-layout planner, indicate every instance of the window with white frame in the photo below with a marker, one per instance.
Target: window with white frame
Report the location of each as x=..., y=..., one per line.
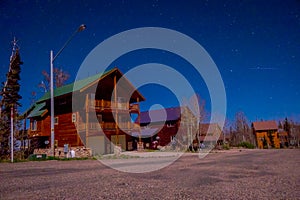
x=34, y=125
x=73, y=117
x=99, y=117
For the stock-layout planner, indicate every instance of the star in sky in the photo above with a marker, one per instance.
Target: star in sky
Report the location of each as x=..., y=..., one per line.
x=255, y=45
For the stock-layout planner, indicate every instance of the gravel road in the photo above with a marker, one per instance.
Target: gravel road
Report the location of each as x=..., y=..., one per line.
x=246, y=174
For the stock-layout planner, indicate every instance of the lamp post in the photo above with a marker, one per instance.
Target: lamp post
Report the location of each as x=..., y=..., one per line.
x=52, y=59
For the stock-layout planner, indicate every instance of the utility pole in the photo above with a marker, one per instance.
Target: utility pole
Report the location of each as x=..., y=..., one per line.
x=52, y=59
x=12, y=134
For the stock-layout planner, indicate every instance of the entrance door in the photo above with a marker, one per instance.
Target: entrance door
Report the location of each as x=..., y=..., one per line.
x=97, y=144
x=122, y=141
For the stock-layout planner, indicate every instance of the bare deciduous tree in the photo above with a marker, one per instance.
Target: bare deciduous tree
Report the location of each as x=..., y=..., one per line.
x=241, y=131
x=294, y=134
x=60, y=77
x=193, y=114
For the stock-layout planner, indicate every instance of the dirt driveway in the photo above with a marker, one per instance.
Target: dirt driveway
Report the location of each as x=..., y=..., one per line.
x=249, y=174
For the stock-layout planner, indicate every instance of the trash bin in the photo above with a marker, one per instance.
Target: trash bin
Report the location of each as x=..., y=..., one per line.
x=66, y=150
x=33, y=157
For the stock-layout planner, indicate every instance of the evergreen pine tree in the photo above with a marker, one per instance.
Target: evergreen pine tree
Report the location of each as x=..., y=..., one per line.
x=9, y=100
x=287, y=126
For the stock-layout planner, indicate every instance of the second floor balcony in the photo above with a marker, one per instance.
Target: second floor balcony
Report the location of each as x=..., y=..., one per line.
x=100, y=105
x=106, y=126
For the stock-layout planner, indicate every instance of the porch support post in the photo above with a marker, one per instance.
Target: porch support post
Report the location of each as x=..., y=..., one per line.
x=116, y=109
x=139, y=120
x=86, y=119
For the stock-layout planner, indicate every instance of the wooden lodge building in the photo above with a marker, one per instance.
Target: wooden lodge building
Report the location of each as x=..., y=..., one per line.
x=266, y=134
x=89, y=113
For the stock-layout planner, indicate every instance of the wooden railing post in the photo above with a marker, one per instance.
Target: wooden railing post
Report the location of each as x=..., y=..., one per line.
x=86, y=119
x=116, y=109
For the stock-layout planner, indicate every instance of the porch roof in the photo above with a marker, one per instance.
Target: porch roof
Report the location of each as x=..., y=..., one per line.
x=162, y=115
x=38, y=110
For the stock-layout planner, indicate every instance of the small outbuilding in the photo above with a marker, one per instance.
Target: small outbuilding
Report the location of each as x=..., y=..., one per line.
x=266, y=134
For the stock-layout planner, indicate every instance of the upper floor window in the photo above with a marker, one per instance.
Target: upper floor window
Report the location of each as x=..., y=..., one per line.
x=99, y=117
x=34, y=125
x=169, y=125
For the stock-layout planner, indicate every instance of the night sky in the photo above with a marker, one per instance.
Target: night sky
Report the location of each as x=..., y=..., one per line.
x=255, y=45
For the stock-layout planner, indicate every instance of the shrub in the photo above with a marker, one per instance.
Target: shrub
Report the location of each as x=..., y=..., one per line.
x=246, y=145
x=226, y=146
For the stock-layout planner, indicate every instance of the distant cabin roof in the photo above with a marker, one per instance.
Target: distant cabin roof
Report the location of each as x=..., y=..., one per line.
x=265, y=125
x=209, y=128
x=161, y=115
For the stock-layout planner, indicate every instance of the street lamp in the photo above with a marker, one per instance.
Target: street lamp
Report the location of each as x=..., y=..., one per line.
x=80, y=28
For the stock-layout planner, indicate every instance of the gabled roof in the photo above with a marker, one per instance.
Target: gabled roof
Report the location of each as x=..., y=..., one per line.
x=76, y=86
x=161, y=115
x=81, y=85
x=265, y=125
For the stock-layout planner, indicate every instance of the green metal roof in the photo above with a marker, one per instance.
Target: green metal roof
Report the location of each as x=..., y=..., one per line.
x=38, y=110
x=78, y=85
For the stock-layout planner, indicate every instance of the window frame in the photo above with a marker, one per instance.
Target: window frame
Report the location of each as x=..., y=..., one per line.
x=55, y=120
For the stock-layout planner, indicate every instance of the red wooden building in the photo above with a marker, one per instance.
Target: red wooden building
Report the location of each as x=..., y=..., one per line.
x=168, y=125
x=162, y=123
x=89, y=113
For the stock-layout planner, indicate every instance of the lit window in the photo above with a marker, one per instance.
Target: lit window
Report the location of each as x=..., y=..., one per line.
x=74, y=117
x=170, y=125
x=56, y=120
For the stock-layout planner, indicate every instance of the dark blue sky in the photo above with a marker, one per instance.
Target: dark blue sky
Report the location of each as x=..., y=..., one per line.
x=255, y=45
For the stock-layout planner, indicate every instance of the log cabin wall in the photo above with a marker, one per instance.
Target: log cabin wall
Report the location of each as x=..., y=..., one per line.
x=65, y=130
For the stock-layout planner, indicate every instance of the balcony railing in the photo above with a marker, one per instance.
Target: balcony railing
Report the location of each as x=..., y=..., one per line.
x=107, y=126
x=134, y=107
x=103, y=104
